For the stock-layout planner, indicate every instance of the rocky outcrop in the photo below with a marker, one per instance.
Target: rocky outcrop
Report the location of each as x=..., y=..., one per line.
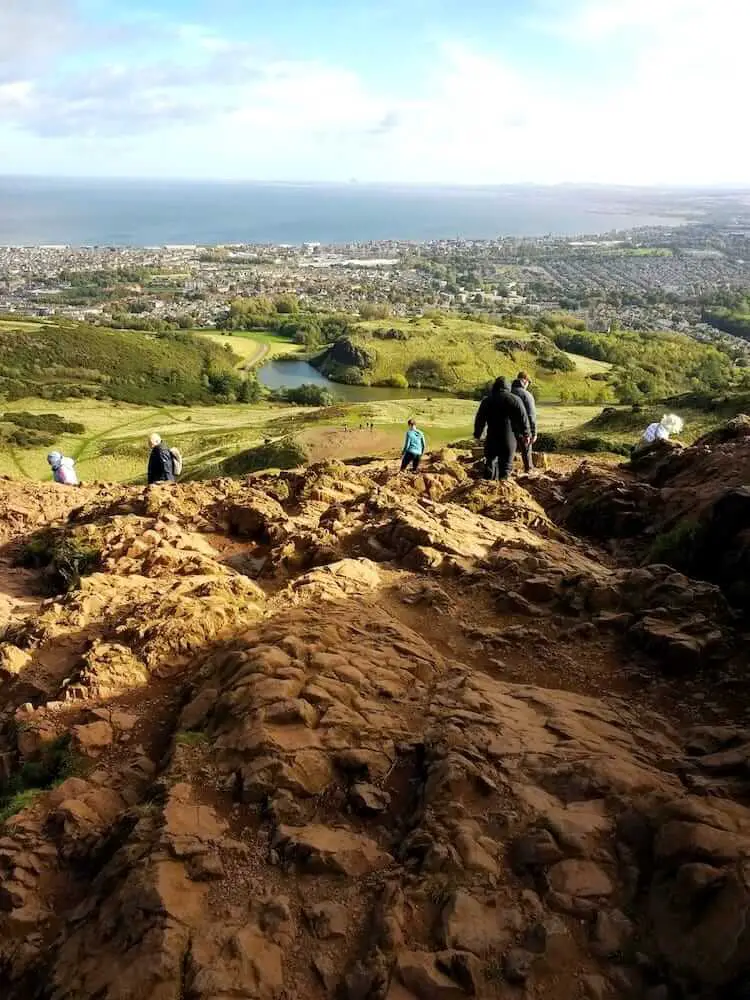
x=338, y=733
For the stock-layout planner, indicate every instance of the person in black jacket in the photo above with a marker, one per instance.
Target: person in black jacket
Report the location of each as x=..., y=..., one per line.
x=506, y=420
x=520, y=388
x=160, y=462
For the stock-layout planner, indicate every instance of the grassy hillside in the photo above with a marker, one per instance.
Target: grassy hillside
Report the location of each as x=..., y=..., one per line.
x=63, y=359
x=461, y=355
x=112, y=444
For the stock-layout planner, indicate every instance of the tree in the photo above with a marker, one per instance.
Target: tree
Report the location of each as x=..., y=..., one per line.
x=374, y=310
x=286, y=304
x=249, y=390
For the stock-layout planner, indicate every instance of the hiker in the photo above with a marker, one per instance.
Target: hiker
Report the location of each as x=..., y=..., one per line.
x=414, y=447
x=63, y=469
x=507, y=421
x=661, y=430
x=161, y=462
x=520, y=388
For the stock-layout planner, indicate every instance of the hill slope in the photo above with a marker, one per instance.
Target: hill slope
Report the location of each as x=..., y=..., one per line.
x=336, y=733
x=62, y=359
x=460, y=355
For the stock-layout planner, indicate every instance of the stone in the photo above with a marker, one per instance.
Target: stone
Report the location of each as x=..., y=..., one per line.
x=583, y=879
x=422, y=976
x=469, y=925
x=369, y=800
x=205, y=868
x=92, y=739
x=327, y=920
x=329, y=850
x=539, y=589
x=326, y=973
x=364, y=764
x=517, y=965
x=535, y=848
x=681, y=840
x=596, y=988
x=612, y=934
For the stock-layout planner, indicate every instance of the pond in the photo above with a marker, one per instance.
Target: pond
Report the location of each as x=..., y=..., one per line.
x=290, y=374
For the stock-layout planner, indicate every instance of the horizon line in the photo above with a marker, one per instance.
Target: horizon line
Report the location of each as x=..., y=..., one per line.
x=354, y=183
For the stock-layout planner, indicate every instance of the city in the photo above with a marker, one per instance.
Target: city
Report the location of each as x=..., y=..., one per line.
x=654, y=278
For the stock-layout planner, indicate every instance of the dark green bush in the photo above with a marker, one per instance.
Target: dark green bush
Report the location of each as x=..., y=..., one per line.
x=287, y=453
x=63, y=554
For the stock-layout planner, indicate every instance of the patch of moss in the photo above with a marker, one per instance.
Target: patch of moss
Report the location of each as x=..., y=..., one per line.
x=64, y=555
x=187, y=738
x=51, y=765
x=677, y=546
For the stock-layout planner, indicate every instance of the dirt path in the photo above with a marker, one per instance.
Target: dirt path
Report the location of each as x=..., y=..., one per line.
x=334, y=442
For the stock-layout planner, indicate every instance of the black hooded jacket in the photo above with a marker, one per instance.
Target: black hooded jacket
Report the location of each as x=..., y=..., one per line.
x=504, y=416
x=528, y=401
x=161, y=465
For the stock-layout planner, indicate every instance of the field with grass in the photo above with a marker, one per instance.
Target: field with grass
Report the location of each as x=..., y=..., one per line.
x=461, y=354
x=113, y=446
x=252, y=348
x=589, y=366
x=7, y=323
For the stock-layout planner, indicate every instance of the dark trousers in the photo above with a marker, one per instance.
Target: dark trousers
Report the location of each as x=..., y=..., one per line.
x=410, y=459
x=499, y=460
x=526, y=453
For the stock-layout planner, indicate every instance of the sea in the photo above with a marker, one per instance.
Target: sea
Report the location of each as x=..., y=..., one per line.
x=39, y=211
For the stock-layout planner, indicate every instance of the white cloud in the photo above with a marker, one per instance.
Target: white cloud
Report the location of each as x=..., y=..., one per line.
x=669, y=112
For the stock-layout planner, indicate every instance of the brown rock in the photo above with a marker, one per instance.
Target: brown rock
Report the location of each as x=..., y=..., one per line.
x=206, y=868
x=423, y=977
x=680, y=840
x=535, y=848
x=93, y=738
x=369, y=799
x=583, y=879
x=321, y=849
x=612, y=934
x=517, y=965
x=469, y=925
x=326, y=973
x=327, y=920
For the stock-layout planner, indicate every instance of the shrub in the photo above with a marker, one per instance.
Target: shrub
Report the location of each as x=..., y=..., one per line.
x=287, y=453
x=64, y=555
x=51, y=422
x=50, y=766
x=308, y=394
x=397, y=381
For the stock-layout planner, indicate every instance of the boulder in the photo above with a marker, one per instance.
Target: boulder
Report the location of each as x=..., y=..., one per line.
x=331, y=850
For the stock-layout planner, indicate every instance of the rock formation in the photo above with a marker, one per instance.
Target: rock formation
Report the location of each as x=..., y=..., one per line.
x=342, y=733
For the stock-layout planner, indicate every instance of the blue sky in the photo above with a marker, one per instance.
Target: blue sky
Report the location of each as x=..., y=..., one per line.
x=433, y=91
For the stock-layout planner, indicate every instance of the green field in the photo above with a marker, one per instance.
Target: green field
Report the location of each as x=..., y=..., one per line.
x=19, y=324
x=589, y=366
x=114, y=446
x=253, y=347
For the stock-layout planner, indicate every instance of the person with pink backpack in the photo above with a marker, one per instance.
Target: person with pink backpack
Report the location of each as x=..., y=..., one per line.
x=63, y=469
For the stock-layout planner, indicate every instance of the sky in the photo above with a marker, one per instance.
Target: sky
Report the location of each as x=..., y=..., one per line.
x=642, y=92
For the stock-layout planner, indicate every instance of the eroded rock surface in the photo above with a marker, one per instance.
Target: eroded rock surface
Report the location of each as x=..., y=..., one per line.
x=340, y=733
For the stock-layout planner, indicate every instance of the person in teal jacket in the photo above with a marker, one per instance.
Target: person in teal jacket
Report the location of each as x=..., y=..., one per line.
x=414, y=447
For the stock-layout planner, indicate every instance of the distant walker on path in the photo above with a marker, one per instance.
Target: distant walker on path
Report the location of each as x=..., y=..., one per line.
x=520, y=388
x=414, y=447
x=161, y=464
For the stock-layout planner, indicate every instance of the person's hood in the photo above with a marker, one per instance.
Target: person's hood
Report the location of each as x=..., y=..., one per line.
x=517, y=384
x=501, y=385
x=55, y=458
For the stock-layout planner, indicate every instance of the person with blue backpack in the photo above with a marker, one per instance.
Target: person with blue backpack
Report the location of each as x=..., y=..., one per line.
x=414, y=447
